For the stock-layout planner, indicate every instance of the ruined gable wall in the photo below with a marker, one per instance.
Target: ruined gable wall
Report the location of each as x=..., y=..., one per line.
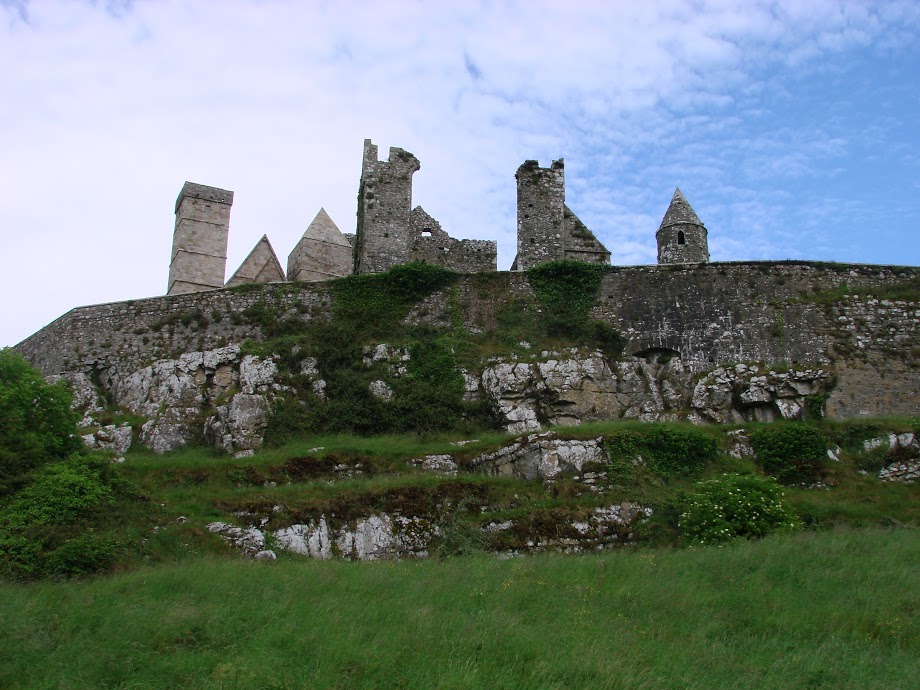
x=432, y=245
x=384, y=203
x=580, y=243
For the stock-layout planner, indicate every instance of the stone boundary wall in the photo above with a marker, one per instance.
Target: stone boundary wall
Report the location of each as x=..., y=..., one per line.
x=716, y=314
x=120, y=337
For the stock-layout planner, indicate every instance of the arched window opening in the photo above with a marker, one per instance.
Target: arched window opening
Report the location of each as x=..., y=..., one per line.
x=680, y=237
x=657, y=355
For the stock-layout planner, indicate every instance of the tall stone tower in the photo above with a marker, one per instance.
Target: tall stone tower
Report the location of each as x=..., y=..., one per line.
x=682, y=238
x=383, y=237
x=540, y=213
x=547, y=229
x=199, y=250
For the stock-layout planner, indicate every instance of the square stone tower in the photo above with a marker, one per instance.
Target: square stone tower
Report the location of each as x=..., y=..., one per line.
x=383, y=239
x=199, y=250
x=540, y=214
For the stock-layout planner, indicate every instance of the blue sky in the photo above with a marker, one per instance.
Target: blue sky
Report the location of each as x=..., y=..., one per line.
x=789, y=126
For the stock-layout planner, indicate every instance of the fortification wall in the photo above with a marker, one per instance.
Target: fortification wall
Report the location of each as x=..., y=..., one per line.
x=778, y=313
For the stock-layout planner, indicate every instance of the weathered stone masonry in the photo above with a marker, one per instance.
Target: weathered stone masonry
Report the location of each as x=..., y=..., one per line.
x=199, y=251
x=681, y=238
x=547, y=230
x=384, y=202
x=391, y=232
x=709, y=315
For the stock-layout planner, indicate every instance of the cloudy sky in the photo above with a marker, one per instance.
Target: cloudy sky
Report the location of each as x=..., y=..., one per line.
x=791, y=127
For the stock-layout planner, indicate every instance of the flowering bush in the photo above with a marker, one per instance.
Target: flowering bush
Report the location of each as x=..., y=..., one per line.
x=733, y=506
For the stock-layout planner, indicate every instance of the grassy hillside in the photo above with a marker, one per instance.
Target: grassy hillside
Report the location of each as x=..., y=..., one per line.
x=154, y=599
x=816, y=610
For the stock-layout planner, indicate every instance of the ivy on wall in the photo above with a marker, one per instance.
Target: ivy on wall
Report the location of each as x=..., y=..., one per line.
x=567, y=290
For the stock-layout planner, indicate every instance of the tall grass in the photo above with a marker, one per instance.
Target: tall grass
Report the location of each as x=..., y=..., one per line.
x=827, y=610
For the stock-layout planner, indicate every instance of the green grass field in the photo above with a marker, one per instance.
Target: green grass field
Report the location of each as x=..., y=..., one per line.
x=835, y=609
x=831, y=605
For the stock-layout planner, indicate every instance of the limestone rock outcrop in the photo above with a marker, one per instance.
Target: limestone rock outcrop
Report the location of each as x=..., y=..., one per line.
x=382, y=536
x=116, y=438
x=572, y=388
x=744, y=393
x=604, y=527
x=225, y=397
x=376, y=537
x=86, y=398
x=542, y=456
x=906, y=449
x=174, y=394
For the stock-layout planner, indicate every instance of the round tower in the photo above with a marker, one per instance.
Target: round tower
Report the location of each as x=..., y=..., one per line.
x=681, y=236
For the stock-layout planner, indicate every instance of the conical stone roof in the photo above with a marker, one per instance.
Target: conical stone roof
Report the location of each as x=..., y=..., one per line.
x=679, y=211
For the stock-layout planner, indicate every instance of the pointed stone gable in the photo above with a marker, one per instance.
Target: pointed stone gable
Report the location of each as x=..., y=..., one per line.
x=322, y=253
x=261, y=266
x=580, y=243
x=679, y=211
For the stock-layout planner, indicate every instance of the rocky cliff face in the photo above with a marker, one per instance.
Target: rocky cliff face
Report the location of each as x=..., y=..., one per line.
x=224, y=398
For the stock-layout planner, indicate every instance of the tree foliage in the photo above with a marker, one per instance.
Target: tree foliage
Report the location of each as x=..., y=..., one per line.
x=37, y=425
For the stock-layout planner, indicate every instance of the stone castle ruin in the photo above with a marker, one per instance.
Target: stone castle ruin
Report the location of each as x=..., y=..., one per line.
x=724, y=342
x=391, y=232
x=547, y=230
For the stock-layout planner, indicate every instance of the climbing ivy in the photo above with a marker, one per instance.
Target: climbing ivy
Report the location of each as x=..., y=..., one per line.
x=375, y=304
x=367, y=309
x=566, y=291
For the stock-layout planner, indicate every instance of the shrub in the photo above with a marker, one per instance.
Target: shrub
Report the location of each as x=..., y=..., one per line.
x=36, y=423
x=47, y=527
x=83, y=555
x=60, y=493
x=735, y=505
x=792, y=453
x=665, y=450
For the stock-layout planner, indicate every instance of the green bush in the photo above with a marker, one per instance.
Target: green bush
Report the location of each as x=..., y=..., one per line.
x=793, y=453
x=36, y=423
x=665, y=450
x=20, y=557
x=60, y=493
x=47, y=528
x=735, y=505
x=83, y=555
